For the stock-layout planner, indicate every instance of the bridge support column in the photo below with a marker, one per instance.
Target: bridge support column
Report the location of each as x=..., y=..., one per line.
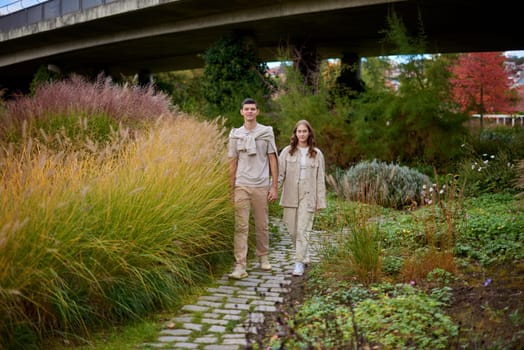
x=145, y=77
x=349, y=77
x=307, y=62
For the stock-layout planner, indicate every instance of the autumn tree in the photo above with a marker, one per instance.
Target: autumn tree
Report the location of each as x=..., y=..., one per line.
x=480, y=83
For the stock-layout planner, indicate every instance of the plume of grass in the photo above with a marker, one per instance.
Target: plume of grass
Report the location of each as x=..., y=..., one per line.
x=76, y=97
x=90, y=238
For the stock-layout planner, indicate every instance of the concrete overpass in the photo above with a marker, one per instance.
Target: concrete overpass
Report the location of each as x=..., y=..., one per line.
x=125, y=36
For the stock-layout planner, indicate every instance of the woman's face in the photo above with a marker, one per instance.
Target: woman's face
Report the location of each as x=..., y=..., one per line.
x=302, y=134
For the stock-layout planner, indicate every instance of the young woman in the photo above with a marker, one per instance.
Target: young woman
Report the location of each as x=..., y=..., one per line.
x=302, y=179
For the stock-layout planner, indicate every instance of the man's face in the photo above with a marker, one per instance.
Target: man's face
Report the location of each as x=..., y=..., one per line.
x=249, y=111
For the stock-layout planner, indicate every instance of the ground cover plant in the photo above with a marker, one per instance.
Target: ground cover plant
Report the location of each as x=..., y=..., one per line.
x=101, y=228
x=450, y=277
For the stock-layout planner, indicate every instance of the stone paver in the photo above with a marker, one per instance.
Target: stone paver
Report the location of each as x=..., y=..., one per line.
x=227, y=315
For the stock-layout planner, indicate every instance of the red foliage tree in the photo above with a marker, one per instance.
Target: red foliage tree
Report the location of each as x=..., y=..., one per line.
x=480, y=83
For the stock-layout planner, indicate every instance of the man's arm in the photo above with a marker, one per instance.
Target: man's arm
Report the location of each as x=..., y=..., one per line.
x=233, y=164
x=273, y=168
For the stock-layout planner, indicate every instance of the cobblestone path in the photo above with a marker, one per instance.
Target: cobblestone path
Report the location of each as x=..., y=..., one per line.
x=226, y=316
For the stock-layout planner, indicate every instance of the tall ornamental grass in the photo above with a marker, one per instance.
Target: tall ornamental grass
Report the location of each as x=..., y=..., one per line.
x=91, y=238
x=354, y=253
x=57, y=106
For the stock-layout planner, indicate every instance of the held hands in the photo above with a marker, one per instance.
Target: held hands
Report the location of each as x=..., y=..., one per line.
x=272, y=194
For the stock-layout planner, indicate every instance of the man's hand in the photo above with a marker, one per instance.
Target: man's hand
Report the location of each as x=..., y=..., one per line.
x=272, y=194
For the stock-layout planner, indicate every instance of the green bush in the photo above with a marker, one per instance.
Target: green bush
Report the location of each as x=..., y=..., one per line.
x=389, y=185
x=488, y=173
x=493, y=140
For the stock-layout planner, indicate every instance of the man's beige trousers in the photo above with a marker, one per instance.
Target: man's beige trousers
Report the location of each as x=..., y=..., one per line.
x=245, y=199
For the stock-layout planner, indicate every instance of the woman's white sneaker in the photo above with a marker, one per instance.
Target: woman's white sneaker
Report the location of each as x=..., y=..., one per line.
x=238, y=273
x=299, y=269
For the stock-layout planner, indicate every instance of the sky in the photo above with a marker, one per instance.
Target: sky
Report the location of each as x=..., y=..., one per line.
x=518, y=53
x=7, y=6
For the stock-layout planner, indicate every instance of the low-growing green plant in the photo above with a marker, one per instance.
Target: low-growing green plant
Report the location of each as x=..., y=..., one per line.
x=441, y=276
x=493, y=231
x=386, y=316
x=410, y=321
x=392, y=265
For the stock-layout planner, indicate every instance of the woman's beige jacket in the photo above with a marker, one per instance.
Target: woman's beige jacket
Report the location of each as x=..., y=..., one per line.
x=288, y=177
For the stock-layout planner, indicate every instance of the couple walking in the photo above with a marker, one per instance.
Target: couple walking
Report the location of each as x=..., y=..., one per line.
x=257, y=173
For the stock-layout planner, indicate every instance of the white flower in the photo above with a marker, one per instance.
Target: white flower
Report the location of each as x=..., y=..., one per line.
x=492, y=156
x=486, y=161
x=480, y=168
x=431, y=189
x=441, y=192
x=485, y=155
x=424, y=186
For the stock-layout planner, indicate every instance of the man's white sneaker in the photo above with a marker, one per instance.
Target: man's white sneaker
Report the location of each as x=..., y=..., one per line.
x=264, y=263
x=299, y=269
x=238, y=273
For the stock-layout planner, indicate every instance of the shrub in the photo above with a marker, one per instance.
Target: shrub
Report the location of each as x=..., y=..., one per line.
x=487, y=173
x=500, y=138
x=389, y=185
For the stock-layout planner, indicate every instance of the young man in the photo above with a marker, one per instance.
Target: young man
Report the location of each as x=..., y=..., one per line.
x=253, y=160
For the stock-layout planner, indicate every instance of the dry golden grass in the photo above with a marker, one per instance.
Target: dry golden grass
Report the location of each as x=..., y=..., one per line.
x=105, y=232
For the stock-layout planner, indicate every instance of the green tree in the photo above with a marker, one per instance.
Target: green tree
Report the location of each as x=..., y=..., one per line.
x=415, y=123
x=232, y=72
x=184, y=88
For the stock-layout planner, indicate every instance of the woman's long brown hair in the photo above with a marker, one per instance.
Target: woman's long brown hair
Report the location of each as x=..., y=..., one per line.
x=310, y=139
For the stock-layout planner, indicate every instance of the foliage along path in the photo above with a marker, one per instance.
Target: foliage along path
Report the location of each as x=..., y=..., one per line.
x=230, y=315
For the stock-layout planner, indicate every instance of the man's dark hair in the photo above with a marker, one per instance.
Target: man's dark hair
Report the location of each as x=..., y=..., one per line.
x=249, y=101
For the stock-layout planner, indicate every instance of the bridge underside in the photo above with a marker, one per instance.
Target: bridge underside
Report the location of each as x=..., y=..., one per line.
x=174, y=35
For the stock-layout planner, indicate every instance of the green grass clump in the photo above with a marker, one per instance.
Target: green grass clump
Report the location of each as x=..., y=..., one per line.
x=90, y=239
